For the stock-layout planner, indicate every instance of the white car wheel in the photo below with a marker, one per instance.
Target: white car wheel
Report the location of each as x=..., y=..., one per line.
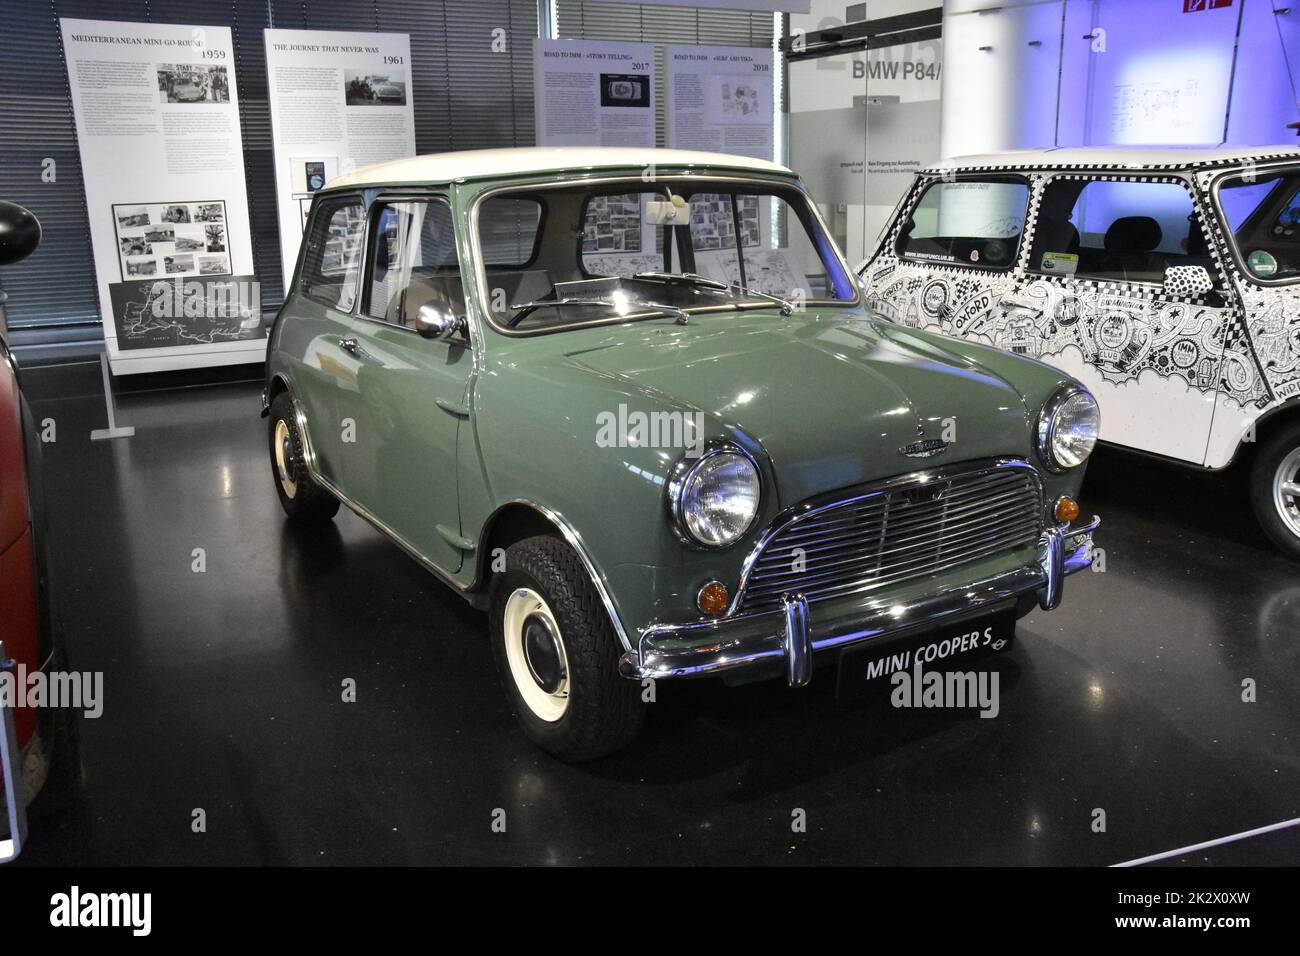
x=284, y=458
x=539, y=664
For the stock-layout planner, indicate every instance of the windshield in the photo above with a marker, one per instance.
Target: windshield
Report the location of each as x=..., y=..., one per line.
x=567, y=255
x=1263, y=215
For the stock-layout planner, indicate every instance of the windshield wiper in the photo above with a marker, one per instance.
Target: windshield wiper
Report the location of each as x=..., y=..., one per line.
x=524, y=308
x=684, y=278
x=787, y=308
x=704, y=282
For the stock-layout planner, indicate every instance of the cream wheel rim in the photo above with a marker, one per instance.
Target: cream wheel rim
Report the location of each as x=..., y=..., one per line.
x=539, y=664
x=284, y=458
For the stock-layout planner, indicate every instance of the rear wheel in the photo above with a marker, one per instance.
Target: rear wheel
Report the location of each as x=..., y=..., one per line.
x=1275, y=489
x=558, y=654
x=301, y=498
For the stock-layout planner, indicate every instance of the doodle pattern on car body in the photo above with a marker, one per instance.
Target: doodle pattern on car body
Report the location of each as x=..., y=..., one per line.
x=1122, y=329
x=1271, y=324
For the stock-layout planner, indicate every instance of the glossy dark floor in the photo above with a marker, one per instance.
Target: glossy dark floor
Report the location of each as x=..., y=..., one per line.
x=223, y=692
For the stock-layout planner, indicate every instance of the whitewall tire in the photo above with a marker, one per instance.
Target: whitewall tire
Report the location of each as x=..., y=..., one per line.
x=557, y=653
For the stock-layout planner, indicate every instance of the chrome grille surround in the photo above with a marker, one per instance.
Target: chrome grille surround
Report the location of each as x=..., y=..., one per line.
x=894, y=531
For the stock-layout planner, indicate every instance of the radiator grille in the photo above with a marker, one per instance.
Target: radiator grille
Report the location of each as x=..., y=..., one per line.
x=903, y=530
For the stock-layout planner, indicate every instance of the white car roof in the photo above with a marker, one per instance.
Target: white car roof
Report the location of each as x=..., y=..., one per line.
x=1120, y=157
x=491, y=163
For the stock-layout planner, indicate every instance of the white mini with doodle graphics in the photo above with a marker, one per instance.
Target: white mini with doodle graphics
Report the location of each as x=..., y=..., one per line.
x=1166, y=279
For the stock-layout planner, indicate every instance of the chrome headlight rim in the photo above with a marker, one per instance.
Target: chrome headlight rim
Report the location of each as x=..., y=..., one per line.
x=684, y=471
x=1047, y=426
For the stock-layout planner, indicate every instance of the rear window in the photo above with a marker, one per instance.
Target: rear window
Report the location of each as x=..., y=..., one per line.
x=974, y=223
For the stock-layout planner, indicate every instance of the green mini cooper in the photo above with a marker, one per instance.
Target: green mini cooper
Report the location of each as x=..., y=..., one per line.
x=631, y=403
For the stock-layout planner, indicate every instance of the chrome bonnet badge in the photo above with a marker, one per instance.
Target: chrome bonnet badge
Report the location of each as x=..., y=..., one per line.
x=926, y=448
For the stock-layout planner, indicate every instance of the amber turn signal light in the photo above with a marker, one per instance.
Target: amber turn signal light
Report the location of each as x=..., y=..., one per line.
x=1067, y=509
x=713, y=598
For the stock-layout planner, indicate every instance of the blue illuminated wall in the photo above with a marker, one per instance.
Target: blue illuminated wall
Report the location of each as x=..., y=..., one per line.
x=1117, y=72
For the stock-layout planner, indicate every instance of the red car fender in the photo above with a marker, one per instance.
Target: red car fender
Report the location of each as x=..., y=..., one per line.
x=19, y=615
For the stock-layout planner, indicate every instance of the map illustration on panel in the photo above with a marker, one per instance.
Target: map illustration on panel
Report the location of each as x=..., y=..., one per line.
x=161, y=313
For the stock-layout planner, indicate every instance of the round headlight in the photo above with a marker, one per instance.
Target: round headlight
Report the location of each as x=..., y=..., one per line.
x=1068, y=429
x=717, y=499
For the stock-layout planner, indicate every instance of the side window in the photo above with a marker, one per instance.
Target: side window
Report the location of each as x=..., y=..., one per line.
x=1117, y=231
x=330, y=266
x=970, y=222
x=413, y=262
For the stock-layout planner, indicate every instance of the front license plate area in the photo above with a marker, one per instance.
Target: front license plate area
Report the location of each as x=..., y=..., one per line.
x=865, y=671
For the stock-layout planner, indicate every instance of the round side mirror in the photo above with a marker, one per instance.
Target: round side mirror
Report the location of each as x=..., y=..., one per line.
x=20, y=233
x=431, y=323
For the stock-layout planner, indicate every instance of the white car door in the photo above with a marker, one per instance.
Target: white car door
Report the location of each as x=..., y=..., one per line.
x=1095, y=294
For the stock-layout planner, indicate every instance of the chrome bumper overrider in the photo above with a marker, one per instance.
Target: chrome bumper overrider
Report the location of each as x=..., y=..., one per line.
x=11, y=764
x=791, y=636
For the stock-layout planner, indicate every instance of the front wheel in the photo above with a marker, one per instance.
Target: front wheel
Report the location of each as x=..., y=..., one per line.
x=558, y=654
x=1275, y=489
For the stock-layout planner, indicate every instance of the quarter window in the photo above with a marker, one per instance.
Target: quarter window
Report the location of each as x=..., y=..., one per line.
x=1117, y=231
x=413, y=262
x=330, y=265
x=970, y=222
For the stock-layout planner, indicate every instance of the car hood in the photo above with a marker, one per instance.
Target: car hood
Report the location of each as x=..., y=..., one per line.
x=832, y=399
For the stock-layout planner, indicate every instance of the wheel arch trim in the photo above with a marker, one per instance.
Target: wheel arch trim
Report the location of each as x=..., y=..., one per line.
x=574, y=539
x=1288, y=410
x=270, y=391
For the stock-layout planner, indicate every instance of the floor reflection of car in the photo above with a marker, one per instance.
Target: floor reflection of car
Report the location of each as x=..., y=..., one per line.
x=32, y=741
x=1166, y=280
x=623, y=452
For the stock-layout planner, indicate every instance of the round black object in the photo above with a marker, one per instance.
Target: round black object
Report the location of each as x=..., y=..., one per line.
x=20, y=233
x=542, y=651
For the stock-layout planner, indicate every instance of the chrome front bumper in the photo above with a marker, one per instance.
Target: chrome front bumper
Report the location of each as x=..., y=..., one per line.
x=11, y=760
x=791, y=636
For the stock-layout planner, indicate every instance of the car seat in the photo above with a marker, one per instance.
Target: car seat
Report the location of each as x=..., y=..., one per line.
x=1130, y=244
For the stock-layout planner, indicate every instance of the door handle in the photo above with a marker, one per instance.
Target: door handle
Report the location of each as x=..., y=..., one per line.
x=452, y=408
x=350, y=345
